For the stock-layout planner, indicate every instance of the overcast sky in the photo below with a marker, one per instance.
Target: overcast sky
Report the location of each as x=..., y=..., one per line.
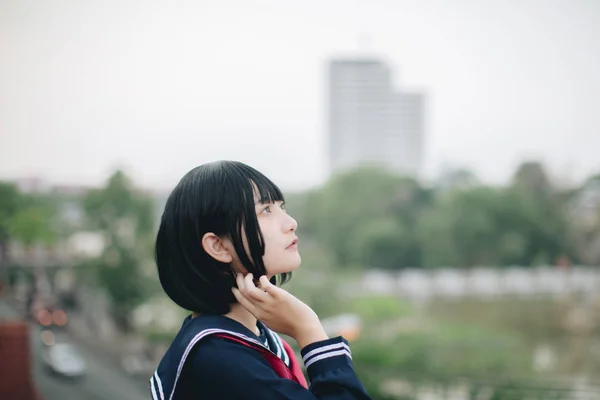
x=160, y=87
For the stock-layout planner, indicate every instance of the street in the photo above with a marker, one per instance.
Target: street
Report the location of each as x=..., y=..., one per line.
x=104, y=380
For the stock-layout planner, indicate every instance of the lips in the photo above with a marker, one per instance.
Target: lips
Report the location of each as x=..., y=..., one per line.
x=294, y=242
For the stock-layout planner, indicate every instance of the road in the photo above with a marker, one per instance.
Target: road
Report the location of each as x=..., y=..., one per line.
x=105, y=379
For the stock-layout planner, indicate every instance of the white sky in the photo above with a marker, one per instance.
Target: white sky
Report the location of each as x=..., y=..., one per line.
x=86, y=86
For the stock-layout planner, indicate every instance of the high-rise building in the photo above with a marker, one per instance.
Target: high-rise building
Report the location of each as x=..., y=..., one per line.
x=370, y=122
x=405, y=132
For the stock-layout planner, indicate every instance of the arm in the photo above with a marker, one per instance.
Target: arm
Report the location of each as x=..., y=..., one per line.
x=325, y=359
x=223, y=369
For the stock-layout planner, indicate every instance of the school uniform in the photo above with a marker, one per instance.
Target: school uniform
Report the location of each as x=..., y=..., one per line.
x=215, y=357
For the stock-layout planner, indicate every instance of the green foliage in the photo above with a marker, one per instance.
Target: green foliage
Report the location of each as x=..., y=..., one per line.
x=125, y=217
x=534, y=319
x=383, y=243
x=309, y=286
x=461, y=229
x=10, y=200
x=375, y=219
x=440, y=354
x=484, y=359
x=380, y=308
x=30, y=219
x=367, y=217
x=119, y=204
x=31, y=225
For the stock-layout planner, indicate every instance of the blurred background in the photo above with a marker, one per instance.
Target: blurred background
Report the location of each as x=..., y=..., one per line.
x=441, y=158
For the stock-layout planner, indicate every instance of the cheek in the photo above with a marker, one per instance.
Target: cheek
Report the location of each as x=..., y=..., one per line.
x=268, y=233
x=270, y=247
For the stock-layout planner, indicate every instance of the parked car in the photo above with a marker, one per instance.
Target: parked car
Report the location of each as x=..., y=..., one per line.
x=63, y=359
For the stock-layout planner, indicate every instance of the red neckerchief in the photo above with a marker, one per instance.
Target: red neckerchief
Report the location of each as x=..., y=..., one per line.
x=293, y=372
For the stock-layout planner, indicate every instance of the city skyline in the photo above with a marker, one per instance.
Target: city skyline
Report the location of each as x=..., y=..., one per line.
x=159, y=89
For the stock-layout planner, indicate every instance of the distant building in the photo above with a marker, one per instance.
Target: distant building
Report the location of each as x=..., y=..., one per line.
x=370, y=122
x=405, y=132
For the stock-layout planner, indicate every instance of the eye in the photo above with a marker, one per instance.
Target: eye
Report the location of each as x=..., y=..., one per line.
x=283, y=206
x=266, y=210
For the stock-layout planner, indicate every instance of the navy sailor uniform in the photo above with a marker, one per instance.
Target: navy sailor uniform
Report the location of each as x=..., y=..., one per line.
x=215, y=357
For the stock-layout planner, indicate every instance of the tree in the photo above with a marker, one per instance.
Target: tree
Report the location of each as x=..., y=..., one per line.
x=10, y=200
x=461, y=231
x=32, y=225
x=523, y=224
x=126, y=218
x=366, y=217
x=531, y=177
x=584, y=227
x=9, y=205
x=456, y=179
x=543, y=212
x=373, y=218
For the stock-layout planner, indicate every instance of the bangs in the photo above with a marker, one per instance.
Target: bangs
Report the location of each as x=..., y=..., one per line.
x=264, y=190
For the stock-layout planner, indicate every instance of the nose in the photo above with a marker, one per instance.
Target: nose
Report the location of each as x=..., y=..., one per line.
x=290, y=223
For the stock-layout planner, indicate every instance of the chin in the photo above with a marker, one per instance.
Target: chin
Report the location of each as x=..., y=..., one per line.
x=290, y=265
x=295, y=264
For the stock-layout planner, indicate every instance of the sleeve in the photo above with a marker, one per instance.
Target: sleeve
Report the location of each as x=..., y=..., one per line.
x=232, y=371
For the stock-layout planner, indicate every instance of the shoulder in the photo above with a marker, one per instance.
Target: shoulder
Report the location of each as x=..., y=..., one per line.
x=220, y=358
x=225, y=369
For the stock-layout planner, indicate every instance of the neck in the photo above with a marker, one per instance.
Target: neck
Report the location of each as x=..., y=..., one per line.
x=240, y=314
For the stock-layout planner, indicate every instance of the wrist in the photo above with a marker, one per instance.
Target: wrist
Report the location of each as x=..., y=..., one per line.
x=310, y=333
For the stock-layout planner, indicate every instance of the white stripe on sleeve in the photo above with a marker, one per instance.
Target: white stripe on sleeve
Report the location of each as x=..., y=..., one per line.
x=327, y=355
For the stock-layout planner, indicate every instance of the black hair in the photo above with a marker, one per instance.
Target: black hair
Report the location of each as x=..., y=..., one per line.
x=217, y=197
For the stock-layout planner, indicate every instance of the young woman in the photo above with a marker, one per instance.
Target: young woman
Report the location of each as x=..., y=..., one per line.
x=224, y=245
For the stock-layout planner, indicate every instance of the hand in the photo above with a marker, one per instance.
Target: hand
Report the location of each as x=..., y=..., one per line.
x=279, y=310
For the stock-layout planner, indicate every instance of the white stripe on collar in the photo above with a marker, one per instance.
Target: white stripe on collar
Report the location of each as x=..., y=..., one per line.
x=153, y=389
x=197, y=338
x=159, y=384
x=286, y=358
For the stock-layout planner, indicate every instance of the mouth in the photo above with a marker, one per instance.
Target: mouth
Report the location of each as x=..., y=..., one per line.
x=293, y=245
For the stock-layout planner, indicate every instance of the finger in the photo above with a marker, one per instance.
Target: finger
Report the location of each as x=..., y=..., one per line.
x=252, y=291
x=248, y=282
x=239, y=279
x=249, y=278
x=265, y=283
x=268, y=287
x=257, y=295
x=247, y=304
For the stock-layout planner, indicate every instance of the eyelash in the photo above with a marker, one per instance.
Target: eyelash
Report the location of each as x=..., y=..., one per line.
x=269, y=208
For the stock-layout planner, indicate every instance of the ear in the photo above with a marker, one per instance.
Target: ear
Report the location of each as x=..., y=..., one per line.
x=216, y=248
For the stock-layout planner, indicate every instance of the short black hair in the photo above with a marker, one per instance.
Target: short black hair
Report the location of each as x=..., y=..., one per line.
x=217, y=197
